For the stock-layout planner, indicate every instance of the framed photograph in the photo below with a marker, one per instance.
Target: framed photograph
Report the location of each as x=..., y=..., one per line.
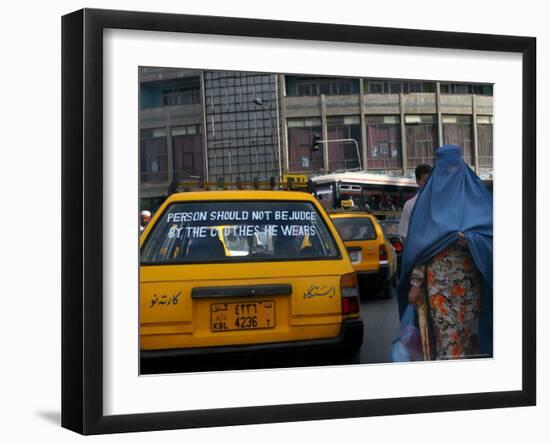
x=269, y=221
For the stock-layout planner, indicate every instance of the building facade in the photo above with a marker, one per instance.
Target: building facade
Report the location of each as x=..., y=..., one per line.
x=221, y=128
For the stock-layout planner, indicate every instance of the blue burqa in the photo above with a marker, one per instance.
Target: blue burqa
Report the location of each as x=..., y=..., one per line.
x=453, y=200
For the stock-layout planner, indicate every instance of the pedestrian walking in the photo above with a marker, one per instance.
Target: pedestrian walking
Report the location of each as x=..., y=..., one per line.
x=448, y=258
x=421, y=173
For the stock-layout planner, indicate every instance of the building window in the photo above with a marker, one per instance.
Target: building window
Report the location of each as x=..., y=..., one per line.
x=397, y=87
x=415, y=87
x=301, y=157
x=422, y=139
x=154, y=156
x=185, y=92
x=457, y=130
x=485, y=141
x=466, y=89
x=344, y=155
x=324, y=85
x=180, y=96
x=187, y=152
x=385, y=87
x=375, y=87
x=383, y=142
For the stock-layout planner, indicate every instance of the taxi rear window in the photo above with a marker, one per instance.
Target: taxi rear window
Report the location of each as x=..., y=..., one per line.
x=238, y=231
x=390, y=227
x=355, y=229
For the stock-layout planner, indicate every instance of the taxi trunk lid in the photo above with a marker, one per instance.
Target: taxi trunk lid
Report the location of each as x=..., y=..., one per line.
x=184, y=306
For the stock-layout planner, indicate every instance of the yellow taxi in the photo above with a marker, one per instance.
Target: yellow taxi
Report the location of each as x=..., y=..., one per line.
x=372, y=255
x=232, y=271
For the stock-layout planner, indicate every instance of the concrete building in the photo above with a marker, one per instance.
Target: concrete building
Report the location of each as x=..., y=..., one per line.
x=223, y=128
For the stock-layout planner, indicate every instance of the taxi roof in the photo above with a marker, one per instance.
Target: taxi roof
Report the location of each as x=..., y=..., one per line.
x=350, y=214
x=241, y=195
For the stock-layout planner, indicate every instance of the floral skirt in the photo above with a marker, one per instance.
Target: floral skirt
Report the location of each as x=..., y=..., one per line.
x=454, y=292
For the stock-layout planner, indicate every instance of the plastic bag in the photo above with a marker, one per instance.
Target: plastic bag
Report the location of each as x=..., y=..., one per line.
x=407, y=346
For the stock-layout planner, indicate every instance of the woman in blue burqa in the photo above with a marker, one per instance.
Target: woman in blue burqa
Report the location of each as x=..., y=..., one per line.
x=448, y=258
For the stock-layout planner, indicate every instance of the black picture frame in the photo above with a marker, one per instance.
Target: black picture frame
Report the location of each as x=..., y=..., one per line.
x=82, y=216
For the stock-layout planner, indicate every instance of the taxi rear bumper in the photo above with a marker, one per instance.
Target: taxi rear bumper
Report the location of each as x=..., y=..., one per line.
x=378, y=276
x=348, y=342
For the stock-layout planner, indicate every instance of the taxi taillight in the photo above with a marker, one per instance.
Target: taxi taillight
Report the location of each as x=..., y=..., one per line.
x=383, y=253
x=350, y=294
x=398, y=246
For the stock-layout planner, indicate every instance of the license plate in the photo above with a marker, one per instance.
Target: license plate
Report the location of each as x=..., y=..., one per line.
x=242, y=316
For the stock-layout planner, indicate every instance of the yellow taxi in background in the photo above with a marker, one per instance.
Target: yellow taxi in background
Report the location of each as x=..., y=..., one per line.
x=231, y=271
x=372, y=255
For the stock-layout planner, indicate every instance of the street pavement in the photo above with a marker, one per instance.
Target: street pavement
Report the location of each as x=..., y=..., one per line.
x=381, y=321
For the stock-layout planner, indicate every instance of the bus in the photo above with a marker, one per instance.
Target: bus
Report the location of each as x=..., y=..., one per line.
x=382, y=194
